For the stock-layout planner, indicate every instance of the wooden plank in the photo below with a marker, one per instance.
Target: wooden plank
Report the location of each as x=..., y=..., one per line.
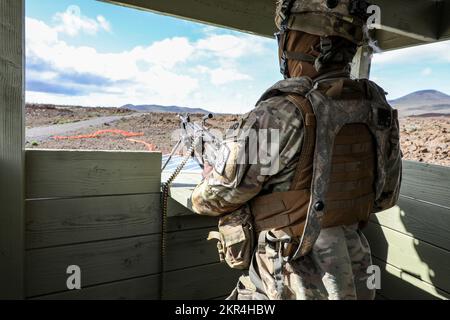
x=68, y=221
x=254, y=16
x=190, y=248
x=410, y=19
x=204, y=282
x=398, y=285
x=426, y=182
x=191, y=222
x=143, y=288
x=11, y=148
x=419, y=259
x=444, y=30
x=182, y=218
x=420, y=220
x=56, y=174
x=100, y=262
x=112, y=260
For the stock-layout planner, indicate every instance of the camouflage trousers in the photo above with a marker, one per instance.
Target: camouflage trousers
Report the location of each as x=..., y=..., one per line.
x=335, y=269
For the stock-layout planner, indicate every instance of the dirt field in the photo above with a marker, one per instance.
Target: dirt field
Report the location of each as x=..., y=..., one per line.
x=424, y=139
x=40, y=115
x=157, y=129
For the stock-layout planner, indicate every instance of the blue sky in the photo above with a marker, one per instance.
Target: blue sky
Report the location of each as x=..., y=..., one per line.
x=86, y=52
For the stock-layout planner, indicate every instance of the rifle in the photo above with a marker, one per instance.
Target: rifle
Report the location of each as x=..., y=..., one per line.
x=201, y=143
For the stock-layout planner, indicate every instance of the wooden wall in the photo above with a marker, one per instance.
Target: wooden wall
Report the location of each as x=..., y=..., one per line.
x=411, y=242
x=101, y=211
x=11, y=148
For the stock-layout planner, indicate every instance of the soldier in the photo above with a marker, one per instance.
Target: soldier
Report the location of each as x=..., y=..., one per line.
x=338, y=161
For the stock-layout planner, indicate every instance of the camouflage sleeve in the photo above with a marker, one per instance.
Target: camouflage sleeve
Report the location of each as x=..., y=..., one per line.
x=263, y=144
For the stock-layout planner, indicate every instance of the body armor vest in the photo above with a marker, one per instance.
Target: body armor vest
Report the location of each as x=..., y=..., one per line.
x=349, y=165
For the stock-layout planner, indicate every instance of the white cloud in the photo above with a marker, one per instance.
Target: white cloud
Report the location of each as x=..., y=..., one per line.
x=39, y=34
x=220, y=76
x=167, y=52
x=231, y=46
x=72, y=22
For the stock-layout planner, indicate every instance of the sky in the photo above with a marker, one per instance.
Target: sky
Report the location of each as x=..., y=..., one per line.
x=86, y=52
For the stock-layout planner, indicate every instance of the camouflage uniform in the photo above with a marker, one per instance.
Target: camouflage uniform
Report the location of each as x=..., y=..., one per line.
x=336, y=267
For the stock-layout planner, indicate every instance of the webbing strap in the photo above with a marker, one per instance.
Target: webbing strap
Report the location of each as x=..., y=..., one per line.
x=308, y=139
x=278, y=263
x=262, y=242
x=255, y=278
x=293, y=55
x=278, y=260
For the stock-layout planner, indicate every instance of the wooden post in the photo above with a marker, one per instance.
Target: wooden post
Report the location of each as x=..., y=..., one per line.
x=361, y=63
x=12, y=149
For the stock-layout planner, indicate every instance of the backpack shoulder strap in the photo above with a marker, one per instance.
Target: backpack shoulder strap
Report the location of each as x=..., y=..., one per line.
x=302, y=180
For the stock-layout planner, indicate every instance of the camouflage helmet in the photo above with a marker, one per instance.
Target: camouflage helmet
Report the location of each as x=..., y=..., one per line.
x=324, y=18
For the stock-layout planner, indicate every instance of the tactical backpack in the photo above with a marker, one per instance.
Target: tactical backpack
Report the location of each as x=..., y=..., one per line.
x=342, y=117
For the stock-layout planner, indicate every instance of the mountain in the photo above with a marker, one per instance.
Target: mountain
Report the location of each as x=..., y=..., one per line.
x=158, y=108
x=422, y=102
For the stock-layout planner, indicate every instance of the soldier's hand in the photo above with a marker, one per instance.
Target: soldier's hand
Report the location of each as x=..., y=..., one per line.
x=207, y=169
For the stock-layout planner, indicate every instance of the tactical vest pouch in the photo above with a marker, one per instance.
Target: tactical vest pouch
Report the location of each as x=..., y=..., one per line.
x=235, y=238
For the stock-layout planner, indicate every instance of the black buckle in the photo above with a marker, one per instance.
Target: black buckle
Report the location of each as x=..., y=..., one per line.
x=325, y=45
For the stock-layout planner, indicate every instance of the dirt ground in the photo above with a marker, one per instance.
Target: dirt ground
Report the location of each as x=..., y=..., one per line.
x=40, y=115
x=425, y=139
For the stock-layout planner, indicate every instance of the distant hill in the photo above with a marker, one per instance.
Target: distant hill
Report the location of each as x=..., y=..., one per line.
x=422, y=102
x=158, y=108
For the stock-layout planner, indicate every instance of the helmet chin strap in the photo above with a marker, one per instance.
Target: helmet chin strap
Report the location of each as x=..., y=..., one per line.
x=325, y=51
